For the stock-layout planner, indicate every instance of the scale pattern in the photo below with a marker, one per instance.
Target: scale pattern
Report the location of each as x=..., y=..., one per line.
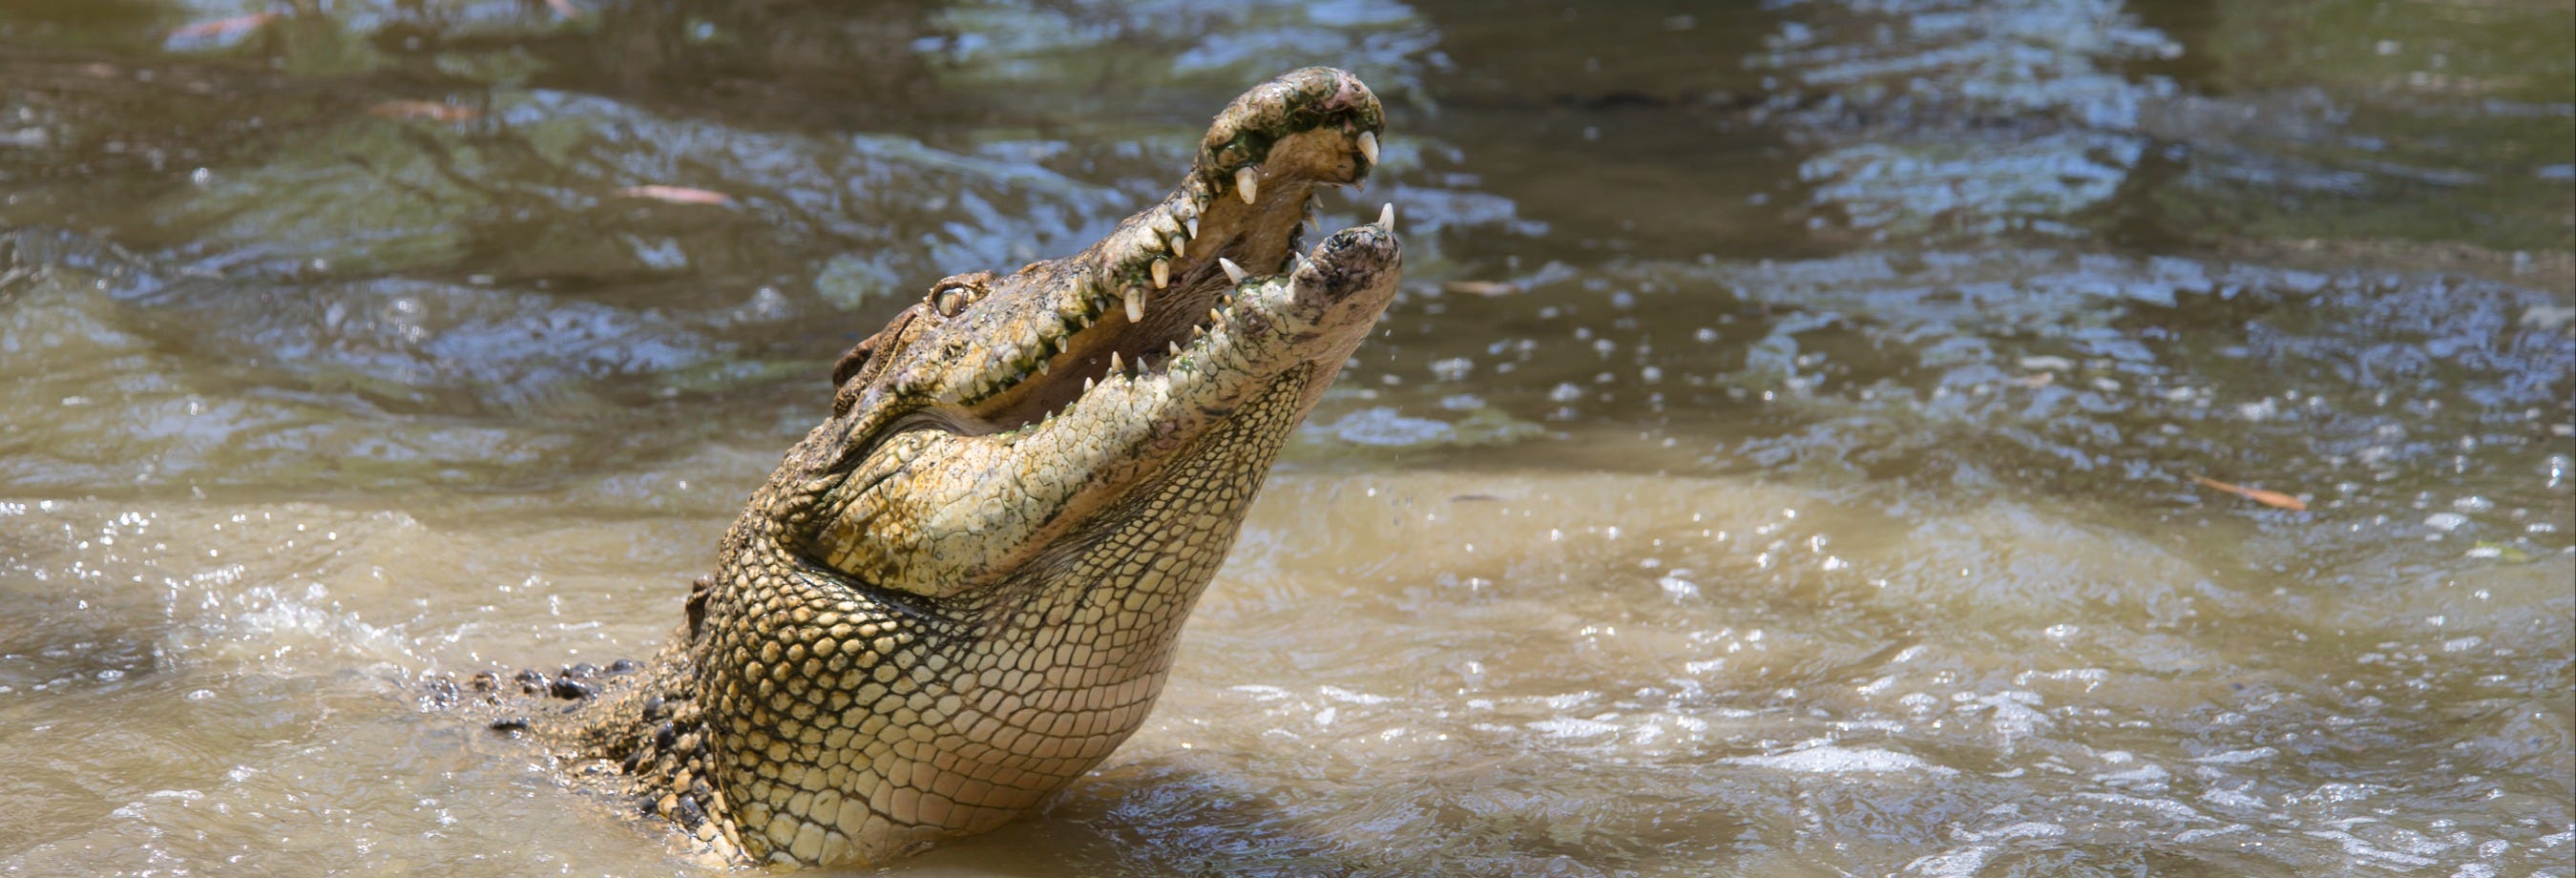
x=848, y=724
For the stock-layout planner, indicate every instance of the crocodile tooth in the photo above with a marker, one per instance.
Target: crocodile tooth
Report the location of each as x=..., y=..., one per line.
x=1162, y=273
x=1042, y=367
x=1193, y=225
x=1135, y=305
x=1180, y=246
x=1300, y=259
x=1233, y=272
x=1199, y=332
x=1214, y=317
x=1113, y=362
x=1368, y=146
x=1086, y=384
x=1247, y=183
x=1173, y=347
x=1386, y=216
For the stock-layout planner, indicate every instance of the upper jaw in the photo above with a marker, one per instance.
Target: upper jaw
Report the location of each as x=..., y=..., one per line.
x=1070, y=381
x=1019, y=349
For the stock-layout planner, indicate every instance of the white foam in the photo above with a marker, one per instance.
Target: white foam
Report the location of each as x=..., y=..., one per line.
x=1567, y=727
x=1840, y=760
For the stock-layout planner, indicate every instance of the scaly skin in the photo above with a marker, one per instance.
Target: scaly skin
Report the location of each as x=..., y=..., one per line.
x=963, y=590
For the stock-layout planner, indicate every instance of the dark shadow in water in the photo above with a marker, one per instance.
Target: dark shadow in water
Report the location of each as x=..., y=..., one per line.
x=1177, y=815
x=803, y=63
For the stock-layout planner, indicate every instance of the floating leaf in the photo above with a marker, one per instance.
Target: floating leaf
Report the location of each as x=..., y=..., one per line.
x=2274, y=499
x=430, y=110
x=677, y=194
x=2500, y=552
x=1480, y=287
x=222, y=28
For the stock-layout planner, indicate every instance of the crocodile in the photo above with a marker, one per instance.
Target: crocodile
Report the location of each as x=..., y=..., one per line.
x=964, y=588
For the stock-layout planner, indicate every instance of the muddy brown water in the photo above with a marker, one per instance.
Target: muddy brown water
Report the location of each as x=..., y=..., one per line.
x=1780, y=462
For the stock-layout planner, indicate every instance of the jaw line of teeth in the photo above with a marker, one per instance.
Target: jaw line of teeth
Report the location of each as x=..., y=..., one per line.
x=1205, y=338
x=1172, y=231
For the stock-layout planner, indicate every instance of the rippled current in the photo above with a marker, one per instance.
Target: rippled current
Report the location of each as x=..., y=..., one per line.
x=1786, y=457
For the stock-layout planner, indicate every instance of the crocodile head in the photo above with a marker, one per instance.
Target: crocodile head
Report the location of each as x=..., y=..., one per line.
x=1001, y=412
x=963, y=590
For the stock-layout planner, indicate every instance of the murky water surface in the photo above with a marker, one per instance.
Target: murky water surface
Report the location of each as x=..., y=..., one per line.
x=1781, y=461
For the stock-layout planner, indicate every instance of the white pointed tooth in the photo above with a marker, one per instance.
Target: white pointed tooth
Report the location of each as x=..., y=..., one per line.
x=1162, y=273
x=1180, y=246
x=1113, y=362
x=1233, y=272
x=1386, y=216
x=1193, y=225
x=1086, y=384
x=1173, y=347
x=1135, y=305
x=1247, y=183
x=1368, y=146
x=1042, y=367
x=1214, y=317
x=1301, y=261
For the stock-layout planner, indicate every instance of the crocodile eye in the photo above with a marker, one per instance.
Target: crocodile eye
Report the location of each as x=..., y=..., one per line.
x=955, y=292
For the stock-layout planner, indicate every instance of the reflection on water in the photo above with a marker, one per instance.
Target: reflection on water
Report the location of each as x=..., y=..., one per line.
x=1782, y=459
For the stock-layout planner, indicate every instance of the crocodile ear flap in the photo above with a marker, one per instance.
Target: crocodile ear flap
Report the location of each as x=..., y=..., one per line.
x=855, y=360
x=854, y=365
